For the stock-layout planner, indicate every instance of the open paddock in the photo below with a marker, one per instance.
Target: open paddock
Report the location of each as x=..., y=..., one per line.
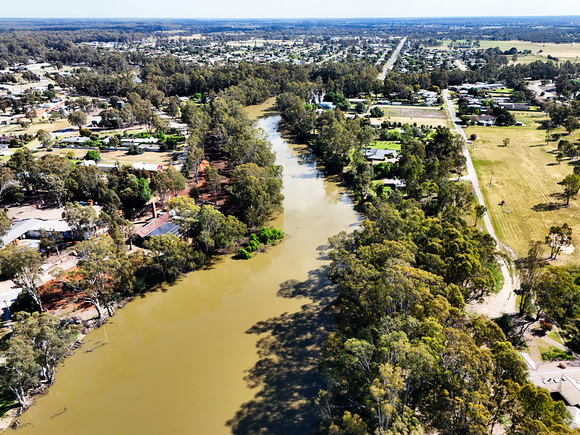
x=524, y=175
x=161, y=158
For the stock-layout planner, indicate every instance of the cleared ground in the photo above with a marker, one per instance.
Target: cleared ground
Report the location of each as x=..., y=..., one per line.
x=524, y=175
x=563, y=52
x=163, y=158
x=419, y=115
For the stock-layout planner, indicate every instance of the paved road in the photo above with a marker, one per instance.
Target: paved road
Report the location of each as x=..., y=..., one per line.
x=460, y=65
x=393, y=59
x=505, y=300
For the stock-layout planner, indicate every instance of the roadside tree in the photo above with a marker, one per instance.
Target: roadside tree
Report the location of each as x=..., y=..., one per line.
x=78, y=118
x=480, y=212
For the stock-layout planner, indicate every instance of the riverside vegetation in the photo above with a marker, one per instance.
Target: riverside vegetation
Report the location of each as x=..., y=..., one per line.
x=405, y=358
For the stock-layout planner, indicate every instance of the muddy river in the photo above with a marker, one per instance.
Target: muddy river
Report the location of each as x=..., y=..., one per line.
x=230, y=349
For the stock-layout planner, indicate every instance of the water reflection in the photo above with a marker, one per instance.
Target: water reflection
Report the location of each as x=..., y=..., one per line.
x=231, y=348
x=286, y=373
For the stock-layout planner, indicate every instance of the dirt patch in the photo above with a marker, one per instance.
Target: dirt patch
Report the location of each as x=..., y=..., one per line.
x=414, y=112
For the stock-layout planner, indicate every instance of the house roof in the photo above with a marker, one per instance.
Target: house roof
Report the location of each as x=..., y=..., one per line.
x=20, y=228
x=166, y=228
x=75, y=139
x=159, y=226
x=376, y=154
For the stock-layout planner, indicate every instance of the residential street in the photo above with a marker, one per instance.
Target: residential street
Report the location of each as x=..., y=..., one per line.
x=393, y=59
x=505, y=300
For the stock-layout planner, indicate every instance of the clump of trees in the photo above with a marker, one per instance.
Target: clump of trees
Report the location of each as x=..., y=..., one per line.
x=405, y=357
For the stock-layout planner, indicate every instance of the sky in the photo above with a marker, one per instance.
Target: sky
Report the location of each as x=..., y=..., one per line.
x=282, y=9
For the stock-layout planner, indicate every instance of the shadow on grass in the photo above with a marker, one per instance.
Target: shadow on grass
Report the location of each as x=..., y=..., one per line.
x=286, y=374
x=549, y=206
x=7, y=401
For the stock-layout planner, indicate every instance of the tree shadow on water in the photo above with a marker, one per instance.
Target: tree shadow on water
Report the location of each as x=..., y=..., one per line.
x=286, y=375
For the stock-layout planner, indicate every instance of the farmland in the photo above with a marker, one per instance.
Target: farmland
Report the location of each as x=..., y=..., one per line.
x=524, y=175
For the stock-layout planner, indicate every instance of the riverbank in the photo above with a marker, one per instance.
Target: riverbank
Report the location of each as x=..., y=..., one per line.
x=62, y=306
x=229, y=348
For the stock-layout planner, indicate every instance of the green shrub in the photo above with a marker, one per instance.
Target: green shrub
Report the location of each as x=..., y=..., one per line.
x=253, y=245
x=556, y=354
x=85, y=132
x=93, y=155
x=135, y=150
x=377, y=112
x=381, y=170
x=270, y=235
x=243, y=254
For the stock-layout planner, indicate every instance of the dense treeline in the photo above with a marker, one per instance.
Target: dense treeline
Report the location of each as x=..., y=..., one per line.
x=405, y=358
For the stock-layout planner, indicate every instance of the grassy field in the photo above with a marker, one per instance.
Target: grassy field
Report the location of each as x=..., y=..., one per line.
x=412, y=114
x=384, y=145
x=524, y=175
x=563, y=52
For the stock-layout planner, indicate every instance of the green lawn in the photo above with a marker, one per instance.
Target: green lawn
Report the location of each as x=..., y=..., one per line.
x=384, y=145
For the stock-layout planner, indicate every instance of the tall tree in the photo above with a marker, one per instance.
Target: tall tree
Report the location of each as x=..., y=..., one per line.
x=82, y=219
x=213, y=181
x=22, y=265
x=558, y=237
x=480, y=212
x=98, y=273
x=571, y=186
x=78, y=119
x=256, y=192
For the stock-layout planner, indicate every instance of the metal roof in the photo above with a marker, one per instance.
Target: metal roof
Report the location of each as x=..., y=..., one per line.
x=20, y=228
x=166, y=228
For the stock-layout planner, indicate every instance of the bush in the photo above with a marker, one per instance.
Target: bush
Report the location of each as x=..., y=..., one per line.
x=390, y=135
x=253, y=245
x=360, y=108
x=243, y=254
x=377, y=112
x=381, y=170
x=270, y=235
x=93, y=155
x=556, y=354
x=135, y=150
x=546, y=326
x=85, y=132
x=473, y=136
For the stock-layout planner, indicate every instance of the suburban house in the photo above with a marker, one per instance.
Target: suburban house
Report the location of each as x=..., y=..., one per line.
x=375, y=155
x=5, y=140
x=158, y=226
x=30, y=229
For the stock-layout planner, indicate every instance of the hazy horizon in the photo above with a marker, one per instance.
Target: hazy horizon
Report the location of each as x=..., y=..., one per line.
x=298, y=9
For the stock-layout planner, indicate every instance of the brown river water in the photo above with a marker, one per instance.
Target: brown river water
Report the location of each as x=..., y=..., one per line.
x=230, y=349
